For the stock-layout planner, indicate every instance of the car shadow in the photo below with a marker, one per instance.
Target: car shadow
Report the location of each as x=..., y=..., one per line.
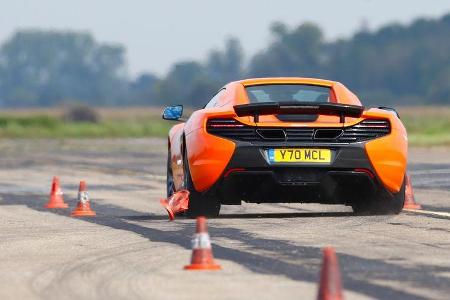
x=149, y=217
x=249, y=216
x=265, y=255
x=285, y=215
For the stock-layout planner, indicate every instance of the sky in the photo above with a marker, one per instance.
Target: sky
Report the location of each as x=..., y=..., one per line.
x=158, y=33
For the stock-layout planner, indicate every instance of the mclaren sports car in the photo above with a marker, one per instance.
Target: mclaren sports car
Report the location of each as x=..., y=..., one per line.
x=280, y=140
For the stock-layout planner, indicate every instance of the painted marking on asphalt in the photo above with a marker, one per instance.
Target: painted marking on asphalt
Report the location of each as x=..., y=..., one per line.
x=429, y=212
x=429, y=172
x=157, y=177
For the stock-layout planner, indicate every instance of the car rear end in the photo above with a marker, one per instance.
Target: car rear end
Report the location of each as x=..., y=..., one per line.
x=309, y=152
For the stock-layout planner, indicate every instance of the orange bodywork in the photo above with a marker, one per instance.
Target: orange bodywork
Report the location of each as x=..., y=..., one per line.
x=388, y=154
x=208, y=155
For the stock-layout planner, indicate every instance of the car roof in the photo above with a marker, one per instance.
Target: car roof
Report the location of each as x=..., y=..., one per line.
x=341, y=93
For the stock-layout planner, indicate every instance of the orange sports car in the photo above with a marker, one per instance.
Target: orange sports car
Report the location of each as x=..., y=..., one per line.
x=278, y=140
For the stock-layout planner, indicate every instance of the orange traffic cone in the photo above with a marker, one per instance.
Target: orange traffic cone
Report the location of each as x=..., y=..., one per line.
x=410, y=202
x=56, y=196
x=83, y=208
x=176, y=203
x=202, y=257
x=330, y=279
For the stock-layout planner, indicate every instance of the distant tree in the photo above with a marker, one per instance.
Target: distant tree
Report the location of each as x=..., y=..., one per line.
x=179, y=83
x=396, y=64
x=143, y=90
x=403, y=63
x=194, y=83
x=296, y=52
x=201, y=93
x=45, y=67
x=215, y=65
x=227, y=65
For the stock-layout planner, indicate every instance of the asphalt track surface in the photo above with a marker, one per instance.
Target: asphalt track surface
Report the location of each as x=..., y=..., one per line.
x=131, y=251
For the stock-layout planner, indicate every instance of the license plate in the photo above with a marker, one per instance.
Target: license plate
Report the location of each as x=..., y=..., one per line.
x=320, y=156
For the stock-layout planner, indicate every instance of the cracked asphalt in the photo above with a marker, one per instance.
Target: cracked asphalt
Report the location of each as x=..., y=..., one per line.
x=131, y=251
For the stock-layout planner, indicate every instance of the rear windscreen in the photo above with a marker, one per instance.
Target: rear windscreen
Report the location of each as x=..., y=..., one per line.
x=288, y=93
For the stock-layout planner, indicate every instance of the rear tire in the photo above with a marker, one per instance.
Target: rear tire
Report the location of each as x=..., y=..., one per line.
x=382, y=204
x=199, y=205
x=170, y=186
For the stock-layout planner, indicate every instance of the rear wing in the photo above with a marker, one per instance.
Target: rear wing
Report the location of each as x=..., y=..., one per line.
x=302, y=108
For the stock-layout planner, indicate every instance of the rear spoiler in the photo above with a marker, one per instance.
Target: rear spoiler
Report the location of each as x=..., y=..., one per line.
x=302, y=108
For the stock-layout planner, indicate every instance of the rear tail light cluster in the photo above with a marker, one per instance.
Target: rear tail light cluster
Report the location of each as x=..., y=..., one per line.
x=363, y=131
x=224, y=123
x=231, y=129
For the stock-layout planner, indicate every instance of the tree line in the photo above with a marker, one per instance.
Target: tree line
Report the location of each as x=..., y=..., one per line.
x=394, y=65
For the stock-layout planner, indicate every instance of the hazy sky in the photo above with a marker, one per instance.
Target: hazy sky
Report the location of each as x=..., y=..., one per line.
x=157, y=33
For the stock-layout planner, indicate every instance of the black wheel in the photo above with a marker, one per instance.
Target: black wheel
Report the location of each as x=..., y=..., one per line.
x=199, y=205
x=169, y=180
x=382, y=204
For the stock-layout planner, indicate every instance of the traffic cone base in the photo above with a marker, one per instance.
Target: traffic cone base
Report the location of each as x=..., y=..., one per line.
x=63, y=205
x=203, y=267
x=56, y=199
x=177, y=203
x=412, y=206
x=81, y=213
x=410, y=202
x=202, y=256
x=56, y=205
x=83, y=208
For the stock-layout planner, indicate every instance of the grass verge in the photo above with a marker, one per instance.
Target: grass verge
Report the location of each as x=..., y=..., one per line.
x=51, y=126
x=427, y=126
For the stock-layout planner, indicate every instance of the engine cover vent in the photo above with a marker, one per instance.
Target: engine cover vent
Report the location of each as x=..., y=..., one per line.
x=327, y=134
x=272, y=134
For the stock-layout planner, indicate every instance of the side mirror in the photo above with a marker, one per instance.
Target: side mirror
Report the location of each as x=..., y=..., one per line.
x=173, y=113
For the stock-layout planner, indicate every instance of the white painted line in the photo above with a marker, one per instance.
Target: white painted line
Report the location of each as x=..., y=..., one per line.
x=428, y=212
x=429, y=172
x=157, y=177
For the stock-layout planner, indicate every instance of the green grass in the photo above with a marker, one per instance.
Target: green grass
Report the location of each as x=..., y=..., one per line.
x=427, y=126
x=44, y=126
x=428, y=130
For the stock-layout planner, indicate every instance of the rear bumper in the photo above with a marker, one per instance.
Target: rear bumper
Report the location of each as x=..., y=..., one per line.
x=250, y=177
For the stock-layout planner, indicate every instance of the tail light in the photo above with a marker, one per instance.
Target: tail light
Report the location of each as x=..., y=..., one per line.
x=231, y=129
x=223, y=123
x=367, y=171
